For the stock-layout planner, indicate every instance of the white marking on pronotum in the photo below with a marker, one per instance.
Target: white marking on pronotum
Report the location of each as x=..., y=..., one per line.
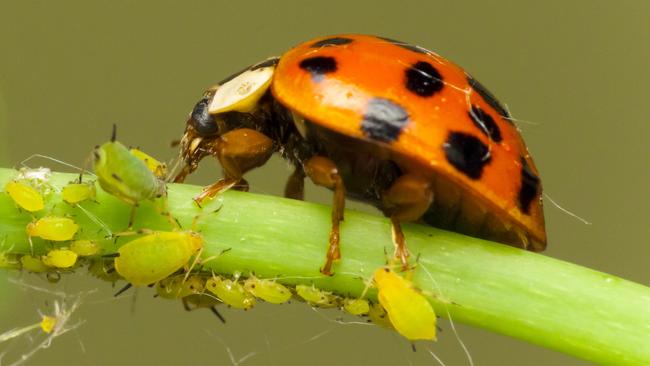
x=242, y=92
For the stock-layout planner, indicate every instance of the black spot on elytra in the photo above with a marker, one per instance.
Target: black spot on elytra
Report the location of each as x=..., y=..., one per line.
x=423, y=79
x=467, y=154
x=529, y=187
x=488, y=97
x=318, y=66
x=266, y=63
x=384, y=120
x=202, y=121
x=407, y=46
x=334, y=41
x=485, y=123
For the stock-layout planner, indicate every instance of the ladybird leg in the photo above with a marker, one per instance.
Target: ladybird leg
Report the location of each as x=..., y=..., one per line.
x=407, y=199
x=238, y=151
x=295, y=187
x=323, y=172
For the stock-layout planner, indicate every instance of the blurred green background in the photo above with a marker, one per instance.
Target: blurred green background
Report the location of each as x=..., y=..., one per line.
x=575, y=72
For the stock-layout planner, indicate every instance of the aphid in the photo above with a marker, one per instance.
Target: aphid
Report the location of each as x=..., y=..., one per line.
x=25, y=196
x=316, y=297
x=385, y=122
x=231, y=292
x=77, y=192
x=48, y=323
x=267, y=290
x=9, y=260
x=60, y=258
x=156, y=167
x=190, y=291
x=378, y=315
x=103, y=268
x=177, y=287
x=85, y=248
x=33, y=264
x=155, y=256
x=53, y=228
x=128, y=178
x=409, y=311
x=356, y=306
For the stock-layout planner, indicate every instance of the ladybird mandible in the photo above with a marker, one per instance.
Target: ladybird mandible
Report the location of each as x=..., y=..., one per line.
x=380, y=121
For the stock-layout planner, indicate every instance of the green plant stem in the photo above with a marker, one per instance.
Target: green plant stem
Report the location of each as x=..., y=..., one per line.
x=559, y=305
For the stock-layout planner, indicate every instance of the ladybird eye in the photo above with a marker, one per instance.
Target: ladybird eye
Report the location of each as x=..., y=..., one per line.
x=203, y=122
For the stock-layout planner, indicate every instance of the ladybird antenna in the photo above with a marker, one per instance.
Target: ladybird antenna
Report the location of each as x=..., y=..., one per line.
x=114, y=133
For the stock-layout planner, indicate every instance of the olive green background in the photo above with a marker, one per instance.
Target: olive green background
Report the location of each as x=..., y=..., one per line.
x=575, y=72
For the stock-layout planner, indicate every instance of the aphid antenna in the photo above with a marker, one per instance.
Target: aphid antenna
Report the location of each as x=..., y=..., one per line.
x=95, y=219
x=61, y=162
x=451, y=321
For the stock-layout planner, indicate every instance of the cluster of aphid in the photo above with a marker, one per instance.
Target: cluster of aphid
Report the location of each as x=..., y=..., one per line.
x=166, y=259
x=29, y=190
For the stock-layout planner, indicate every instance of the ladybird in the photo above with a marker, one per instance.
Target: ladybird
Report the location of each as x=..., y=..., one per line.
x=380, y=121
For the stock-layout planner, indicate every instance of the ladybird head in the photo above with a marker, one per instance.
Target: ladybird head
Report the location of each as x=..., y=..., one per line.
x=224, y=105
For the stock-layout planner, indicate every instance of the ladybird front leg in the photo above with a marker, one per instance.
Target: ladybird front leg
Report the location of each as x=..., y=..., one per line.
x=407, y=199
x=323, y=172
x=238, y=151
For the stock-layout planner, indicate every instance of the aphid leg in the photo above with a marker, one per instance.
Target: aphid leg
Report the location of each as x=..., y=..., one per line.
x=163, y=208
x=295, y=187
x=196, y=260
x=323, y=172
x=238, y=151
x=218, y=314
x=123, y=289
x=407, y=199
x=132, y=216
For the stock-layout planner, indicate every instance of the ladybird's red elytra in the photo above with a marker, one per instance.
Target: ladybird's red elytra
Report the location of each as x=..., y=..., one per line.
x=371, y=118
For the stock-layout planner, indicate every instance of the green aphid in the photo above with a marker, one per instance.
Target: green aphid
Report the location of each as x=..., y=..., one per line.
x=356, y=306
x=127, y=177
x=33, y=264
x=231, y=292
x=317, y=297
x=267, y=290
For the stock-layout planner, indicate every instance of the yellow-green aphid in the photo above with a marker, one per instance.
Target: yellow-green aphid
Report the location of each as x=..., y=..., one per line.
x=85, y=248
x=356, y=306
x=153, y=257
x=103, y=269
x=378, y=315
x=317, y=297
x=60, y=258
x=9, y=261
x=177, y=287
x=33, y=264
x=123, y=175
x=48, y=323
x=409, y=311
x=53, y=228
x=267, y=290
x=156, y=167
x=25, y=196
x=230, y=292
x=77, y=192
